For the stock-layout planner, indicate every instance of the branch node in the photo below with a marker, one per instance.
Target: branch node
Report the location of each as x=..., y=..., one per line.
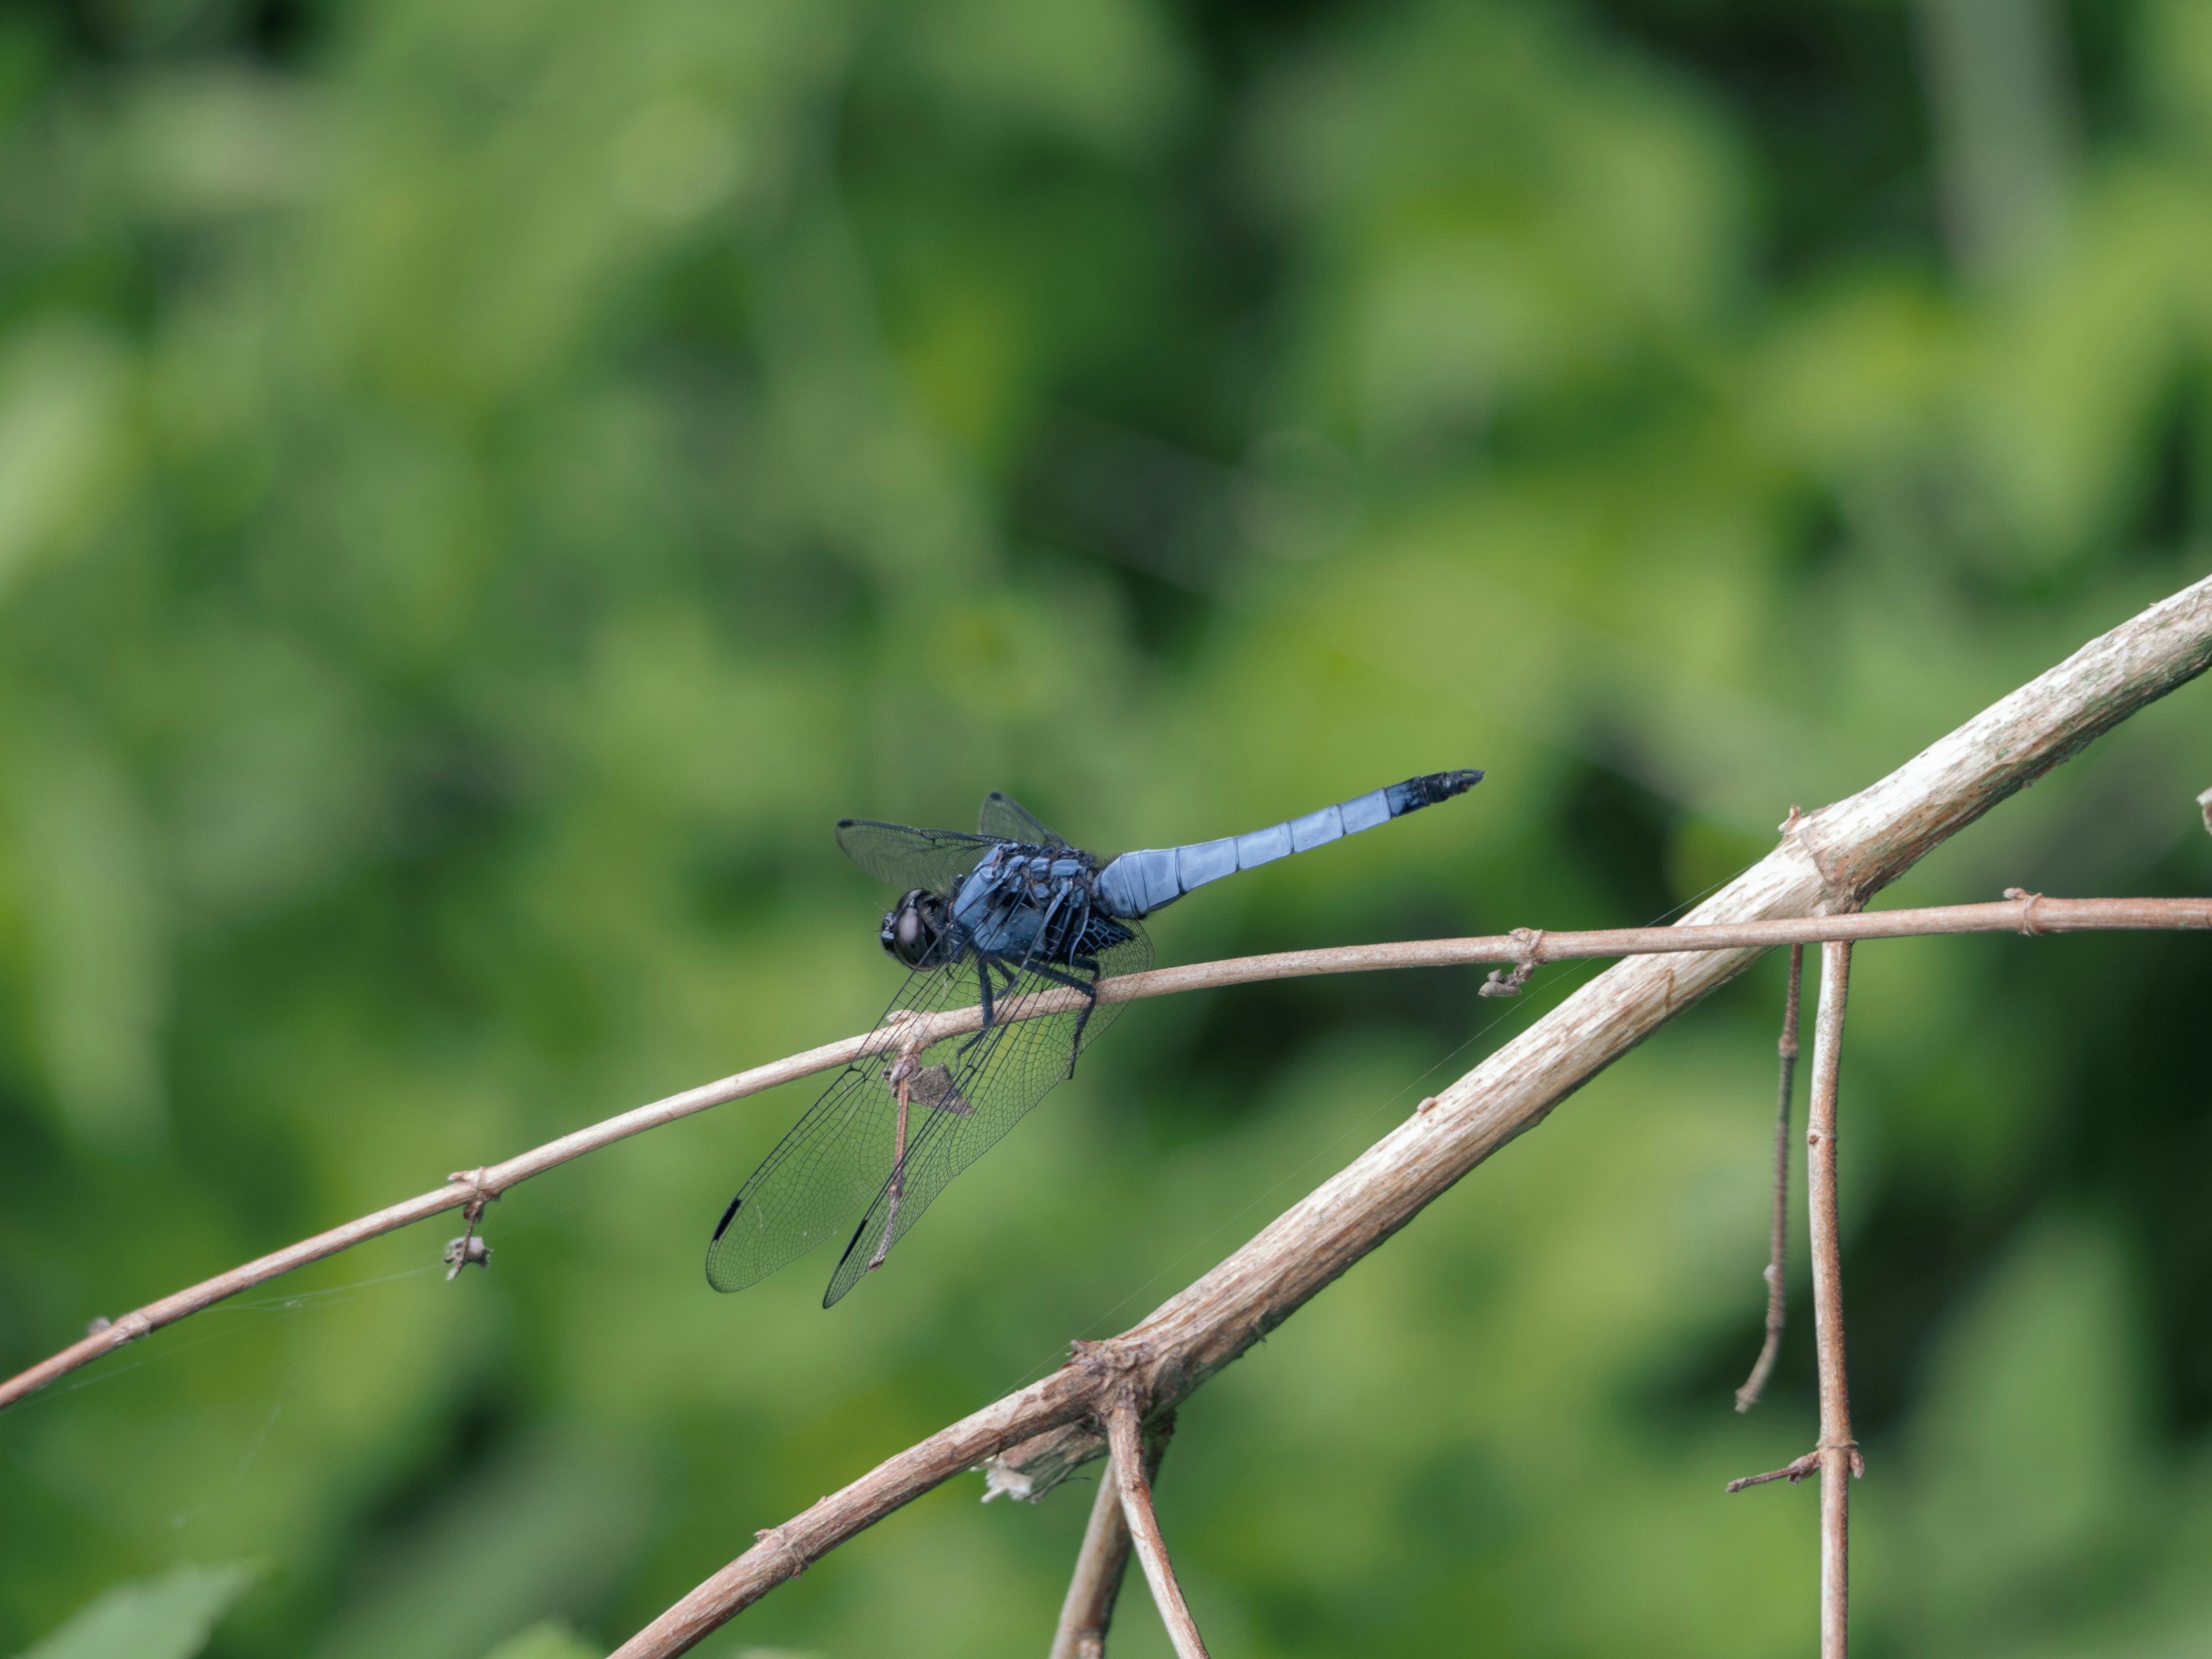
x=481, y=1192
x=1839, y=898
x=469, y=1250
x=1797, y=1469
x=129, y=1328
x=1530, y=953
x=1119, y=1361
x=781, y=1536
x=2029, y=926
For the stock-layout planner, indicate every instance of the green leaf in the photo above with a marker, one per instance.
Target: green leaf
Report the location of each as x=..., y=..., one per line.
x=165, y=1618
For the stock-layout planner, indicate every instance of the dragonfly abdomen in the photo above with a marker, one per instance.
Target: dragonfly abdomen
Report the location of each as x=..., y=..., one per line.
x=1137, y=884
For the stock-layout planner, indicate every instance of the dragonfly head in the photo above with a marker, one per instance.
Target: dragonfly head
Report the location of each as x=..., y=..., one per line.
x=912, y=930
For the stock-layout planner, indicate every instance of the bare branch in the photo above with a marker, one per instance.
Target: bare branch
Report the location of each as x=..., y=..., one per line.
x=1832, y=861
x=1100, y=1564
x=1088, y=1613
x=2049, y=916
x=1144, y=1526
x=1839, y=1458
x=1794, y=1471
x=1777, y=1253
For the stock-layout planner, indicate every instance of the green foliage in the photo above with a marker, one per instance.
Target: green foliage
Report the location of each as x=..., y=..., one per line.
x=164, y=1618
x=483, y=488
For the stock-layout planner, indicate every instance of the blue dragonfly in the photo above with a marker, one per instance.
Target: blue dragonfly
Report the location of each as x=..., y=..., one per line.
x=997, y=919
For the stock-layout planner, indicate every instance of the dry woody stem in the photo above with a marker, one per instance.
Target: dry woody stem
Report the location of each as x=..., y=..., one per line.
x=1778, y=1255
x=1836, y=1459
x=1839, y=1457
x=1088, y=1613
x=1122, y=1437
x=1739, y=940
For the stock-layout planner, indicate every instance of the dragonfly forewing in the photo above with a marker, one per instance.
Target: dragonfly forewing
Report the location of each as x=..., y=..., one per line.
x=932, y=859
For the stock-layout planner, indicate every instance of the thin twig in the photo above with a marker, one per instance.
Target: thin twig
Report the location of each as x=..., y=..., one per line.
x=1088, y=1613
x=1794, y=1471
x=902, y=1072
x=1838, y=1451
x=1095, y=1584
x=2050, y=916
x=1778, y=1255
x=1144, y=1526
x=1840, y=855
x=1100, y=1564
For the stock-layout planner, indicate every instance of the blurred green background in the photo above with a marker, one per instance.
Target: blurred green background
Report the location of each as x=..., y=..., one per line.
x=483, y=486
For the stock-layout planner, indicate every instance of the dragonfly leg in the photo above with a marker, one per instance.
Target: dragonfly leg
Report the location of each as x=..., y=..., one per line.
x=1090, y=989
x=984, y=963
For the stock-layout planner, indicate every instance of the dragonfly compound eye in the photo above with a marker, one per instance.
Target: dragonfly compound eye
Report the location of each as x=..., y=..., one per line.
x=910, y=932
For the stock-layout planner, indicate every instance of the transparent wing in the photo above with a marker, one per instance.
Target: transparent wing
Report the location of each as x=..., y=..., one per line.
x=907, y=857
x=835, y=1159
x=1005, y=818
x=1006, y=1071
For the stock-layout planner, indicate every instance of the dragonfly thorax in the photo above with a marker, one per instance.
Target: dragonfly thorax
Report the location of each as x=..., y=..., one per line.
x=1029, y=903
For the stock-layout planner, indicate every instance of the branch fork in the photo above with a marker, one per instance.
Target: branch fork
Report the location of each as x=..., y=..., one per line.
x=129, y=1328
x=781, y=1537
x=1798, y=1468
